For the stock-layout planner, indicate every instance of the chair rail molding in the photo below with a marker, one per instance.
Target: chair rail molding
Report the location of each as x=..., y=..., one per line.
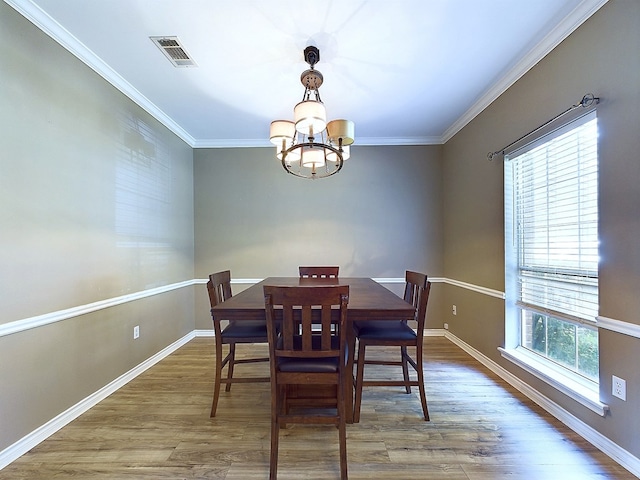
x=59, y=315
x=476, y=288
x=18, y=326
x=619, y=326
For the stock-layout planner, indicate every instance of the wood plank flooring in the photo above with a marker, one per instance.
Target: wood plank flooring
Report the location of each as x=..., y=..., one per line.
x=158, y=427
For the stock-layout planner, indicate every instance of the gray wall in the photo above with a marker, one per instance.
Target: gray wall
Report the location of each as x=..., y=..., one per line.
x=378, y=217
x=69, y=237
x=602, y=56
x=96, y=201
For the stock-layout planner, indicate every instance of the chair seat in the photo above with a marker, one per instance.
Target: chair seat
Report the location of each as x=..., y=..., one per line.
x=396, y=333
x=245, y=329
x=308, y=365
x=385, y=330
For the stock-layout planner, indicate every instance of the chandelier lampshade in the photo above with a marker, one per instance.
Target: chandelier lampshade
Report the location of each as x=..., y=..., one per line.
x=309, y=147
x=333, y=156
x=282, y=134
x=310, y=117
x=282, y=130
x=341, y=131
x=292, y=156
x=313, y=157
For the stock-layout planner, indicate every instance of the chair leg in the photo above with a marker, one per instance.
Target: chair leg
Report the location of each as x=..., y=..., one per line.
x=405, y=368
x=232, y=361
x=273, y=458
x=420, y=371
x=276, y=406
x=216, y=385
x=359, y=380
x=342, y=433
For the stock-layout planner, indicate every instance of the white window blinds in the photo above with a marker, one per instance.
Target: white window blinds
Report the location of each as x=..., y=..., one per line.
x=555, y=207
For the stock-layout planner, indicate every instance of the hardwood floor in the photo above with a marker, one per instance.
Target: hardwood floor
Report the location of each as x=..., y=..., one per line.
x=158, y=427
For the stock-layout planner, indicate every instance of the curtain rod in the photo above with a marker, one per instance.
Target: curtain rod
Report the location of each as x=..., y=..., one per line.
x=588, y=100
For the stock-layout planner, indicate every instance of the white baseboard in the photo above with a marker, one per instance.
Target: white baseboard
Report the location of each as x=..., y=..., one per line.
x=617, y=453
x=43, y=432
x=204, y=333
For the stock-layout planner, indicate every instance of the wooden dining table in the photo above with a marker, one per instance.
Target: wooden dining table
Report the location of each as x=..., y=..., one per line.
x=368, y=300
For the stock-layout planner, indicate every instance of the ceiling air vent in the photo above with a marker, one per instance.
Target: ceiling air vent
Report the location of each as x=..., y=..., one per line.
x=174, y=51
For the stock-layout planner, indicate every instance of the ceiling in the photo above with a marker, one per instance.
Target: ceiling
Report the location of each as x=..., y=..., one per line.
x=405, y=71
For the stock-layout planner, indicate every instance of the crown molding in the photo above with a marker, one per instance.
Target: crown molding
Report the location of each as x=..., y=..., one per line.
x=232, y=143
x=570, y=23
x=48, y=25
x=382, y=141
x=364, y=142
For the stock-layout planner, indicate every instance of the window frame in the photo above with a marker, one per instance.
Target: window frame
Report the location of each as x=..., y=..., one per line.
x=573, y=384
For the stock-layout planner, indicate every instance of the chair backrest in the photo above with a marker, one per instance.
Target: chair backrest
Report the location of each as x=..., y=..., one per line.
x=318, y=272
x=302, y=307
x=416, y=292
x=219, y=287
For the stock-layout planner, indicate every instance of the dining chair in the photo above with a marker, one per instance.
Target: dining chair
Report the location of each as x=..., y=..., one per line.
x=301, y=356
x=395, y=333
x=243, y=331
x=318, y=272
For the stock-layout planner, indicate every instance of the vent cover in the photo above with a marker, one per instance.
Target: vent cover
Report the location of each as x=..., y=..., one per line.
x=174, y=51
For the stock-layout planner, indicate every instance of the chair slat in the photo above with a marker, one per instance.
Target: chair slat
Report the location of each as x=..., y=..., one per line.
x=318, y=272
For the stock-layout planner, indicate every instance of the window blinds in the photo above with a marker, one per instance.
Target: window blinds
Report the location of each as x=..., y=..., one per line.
x=556, y=222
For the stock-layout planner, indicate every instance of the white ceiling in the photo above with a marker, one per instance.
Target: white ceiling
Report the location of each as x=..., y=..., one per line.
x=405, y=71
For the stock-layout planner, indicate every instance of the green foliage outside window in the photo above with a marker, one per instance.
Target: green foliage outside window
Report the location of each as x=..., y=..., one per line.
x=571, y=345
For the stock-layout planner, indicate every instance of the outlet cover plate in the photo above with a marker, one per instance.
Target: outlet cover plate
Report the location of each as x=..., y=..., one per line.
x=619, y=388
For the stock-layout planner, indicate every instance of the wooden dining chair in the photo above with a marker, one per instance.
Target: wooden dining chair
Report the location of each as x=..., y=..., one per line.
x=243, y=331
x=318, y=272
x=301, y=356
x=396, y=333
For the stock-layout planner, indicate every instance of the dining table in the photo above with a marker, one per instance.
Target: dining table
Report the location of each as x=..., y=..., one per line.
x=368, y=300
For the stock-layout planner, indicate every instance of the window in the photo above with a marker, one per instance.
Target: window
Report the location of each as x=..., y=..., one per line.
x=551, y=226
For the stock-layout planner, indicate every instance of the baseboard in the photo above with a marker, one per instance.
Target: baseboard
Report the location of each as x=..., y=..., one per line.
x=617, y=453
x=204, y=333
x=43, y=432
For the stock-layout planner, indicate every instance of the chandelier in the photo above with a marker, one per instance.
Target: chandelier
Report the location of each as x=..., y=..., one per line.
x=309, y=147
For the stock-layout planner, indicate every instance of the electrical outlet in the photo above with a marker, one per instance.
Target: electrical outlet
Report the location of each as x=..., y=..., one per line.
x=446, y=326
x=454, y=310
x=136, y=332
x=619, y=388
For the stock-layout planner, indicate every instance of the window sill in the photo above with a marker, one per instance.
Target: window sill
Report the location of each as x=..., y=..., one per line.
x=568, y=384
